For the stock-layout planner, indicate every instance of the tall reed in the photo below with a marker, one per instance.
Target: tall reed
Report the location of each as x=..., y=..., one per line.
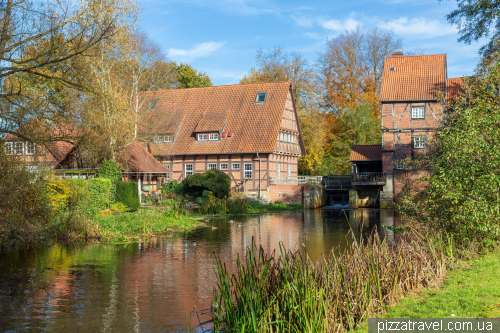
x=290, y=293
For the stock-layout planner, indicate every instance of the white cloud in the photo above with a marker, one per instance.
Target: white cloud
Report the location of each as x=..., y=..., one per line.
x=197, y=51
x=303, y=21
x=418, y=26
x=337, y=25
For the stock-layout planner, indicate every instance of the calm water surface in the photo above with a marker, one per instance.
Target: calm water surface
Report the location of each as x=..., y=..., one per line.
x=153, y=286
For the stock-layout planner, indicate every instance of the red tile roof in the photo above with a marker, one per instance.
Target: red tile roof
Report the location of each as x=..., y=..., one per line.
x=139, y=159
x=184, y=112
x=366, y=153
x=454, y=87
x=413, y=78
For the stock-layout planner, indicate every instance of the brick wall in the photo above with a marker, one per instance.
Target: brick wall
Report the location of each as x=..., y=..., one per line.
x=288, y=193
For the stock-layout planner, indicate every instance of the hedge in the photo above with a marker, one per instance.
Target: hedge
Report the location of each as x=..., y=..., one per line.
x=94, y=194
x=128, y=194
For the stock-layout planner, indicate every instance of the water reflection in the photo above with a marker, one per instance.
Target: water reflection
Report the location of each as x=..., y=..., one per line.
x=153, y=286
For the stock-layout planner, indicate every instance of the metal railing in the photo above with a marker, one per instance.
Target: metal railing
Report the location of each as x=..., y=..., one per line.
x=338, y=182
x=369, y=178
x=296, y=180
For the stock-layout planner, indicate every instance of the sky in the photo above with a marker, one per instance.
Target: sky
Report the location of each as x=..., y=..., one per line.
x=221, y=37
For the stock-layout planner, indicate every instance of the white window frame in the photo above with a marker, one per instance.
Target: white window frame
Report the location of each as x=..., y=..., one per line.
x=167, y=176
x=166, y=165
x=30, y=148
x=16, y=144
x=211, y=166
x=289, y=170
x=281, y=136
x=235, y=166
x=202, y=137
x=158, y=139
x=213, y=137
x=293, y=136
x=278, y=170
x=188, y=171
x=247, y=173
x=417, y=112
x=168, y=138
x=419, y=142
x=9, y=148
x=260, y=94
x=223, y=166
x=399, y=164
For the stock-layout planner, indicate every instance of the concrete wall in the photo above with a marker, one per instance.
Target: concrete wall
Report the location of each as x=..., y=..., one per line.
x=317, y=197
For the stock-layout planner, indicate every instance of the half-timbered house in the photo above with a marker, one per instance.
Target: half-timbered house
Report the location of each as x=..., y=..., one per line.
x=251, y=132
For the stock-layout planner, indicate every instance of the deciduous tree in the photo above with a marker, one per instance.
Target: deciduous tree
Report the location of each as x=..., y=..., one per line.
x=188, y=77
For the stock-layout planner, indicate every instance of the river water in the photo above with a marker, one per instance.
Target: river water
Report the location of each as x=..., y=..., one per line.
x=154, y=285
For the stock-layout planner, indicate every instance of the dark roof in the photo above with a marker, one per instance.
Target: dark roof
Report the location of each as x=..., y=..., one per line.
x=139, y=159
x=366, y=153
x=186, y=112
x=413, y=78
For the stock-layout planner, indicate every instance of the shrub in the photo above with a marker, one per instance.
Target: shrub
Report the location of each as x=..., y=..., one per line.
x=172, y=187
x=213, y=180
x=112, y=171
x=128, y=193
x=59, y=193
x=99, y=191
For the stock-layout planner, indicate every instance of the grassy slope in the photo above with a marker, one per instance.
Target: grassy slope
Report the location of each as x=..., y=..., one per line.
x=145, y=221
x=470, y=291
x=257, y=207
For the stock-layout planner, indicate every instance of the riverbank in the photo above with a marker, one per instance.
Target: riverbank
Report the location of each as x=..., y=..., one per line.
x=145, y=222
x=469, y=291
x=259, y=207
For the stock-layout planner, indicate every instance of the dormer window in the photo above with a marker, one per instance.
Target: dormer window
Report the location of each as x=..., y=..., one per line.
x=261, y=97
x=213, y=136
x=168, y=138
x=202, y=137
x=158, y=139
x=152, y=104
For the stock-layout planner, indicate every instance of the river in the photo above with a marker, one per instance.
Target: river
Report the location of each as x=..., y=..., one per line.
x=154, y=285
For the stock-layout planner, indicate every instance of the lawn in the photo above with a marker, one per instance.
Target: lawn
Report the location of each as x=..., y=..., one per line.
x=150, y=221
x=470, y=291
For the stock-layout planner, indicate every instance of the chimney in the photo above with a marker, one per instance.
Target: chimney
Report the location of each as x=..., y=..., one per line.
x=397, y=54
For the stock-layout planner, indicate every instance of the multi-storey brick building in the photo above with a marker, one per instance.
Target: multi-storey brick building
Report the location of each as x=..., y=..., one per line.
x=251, y=132
x=411, y=113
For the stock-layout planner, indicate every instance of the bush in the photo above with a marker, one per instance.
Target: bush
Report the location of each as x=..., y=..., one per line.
x=128, y=194
x=112, y=171
x=172, y=187
x=99, y=192
x=59, y=193
x=213, y=180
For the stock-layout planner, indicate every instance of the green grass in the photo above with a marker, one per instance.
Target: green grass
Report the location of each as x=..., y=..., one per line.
x=128, y=226
x=258, y=207
x=470, y=291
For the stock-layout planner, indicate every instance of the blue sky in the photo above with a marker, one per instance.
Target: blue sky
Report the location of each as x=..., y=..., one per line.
x=220, y=37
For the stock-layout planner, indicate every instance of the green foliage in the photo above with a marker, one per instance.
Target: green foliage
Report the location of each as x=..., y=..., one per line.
x=463, y=196
x=189, y=77
x=112, y=171
x=356, y=126
x=127, y=193
x=475, y=20
x=126, y=226
x=287, y=292
x=213, y=180
x=172, y=187
x=256, y=207
x=93, y=195
x=212, y=205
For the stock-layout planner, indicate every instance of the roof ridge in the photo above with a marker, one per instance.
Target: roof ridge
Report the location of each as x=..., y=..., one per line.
x=222, y=85
x=417, y=55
